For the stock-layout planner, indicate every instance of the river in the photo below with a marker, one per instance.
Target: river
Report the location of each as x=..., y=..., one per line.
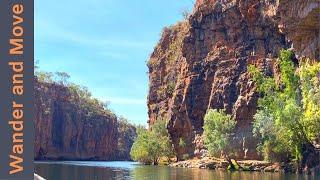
x=97, y=170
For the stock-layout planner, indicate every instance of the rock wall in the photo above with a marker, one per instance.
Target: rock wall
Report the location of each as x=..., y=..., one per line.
x=202, y=63
x=126, y=135
x=300, y=21
x=65, y=131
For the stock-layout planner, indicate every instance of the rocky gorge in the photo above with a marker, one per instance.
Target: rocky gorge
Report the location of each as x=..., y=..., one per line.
x=69, y=125
x=202, y=62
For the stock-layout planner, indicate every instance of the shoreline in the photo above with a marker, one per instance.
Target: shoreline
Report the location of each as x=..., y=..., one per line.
x=139, y=171
x=211, y=163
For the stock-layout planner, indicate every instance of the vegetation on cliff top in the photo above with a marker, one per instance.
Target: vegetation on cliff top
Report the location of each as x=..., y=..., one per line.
x=81, y=97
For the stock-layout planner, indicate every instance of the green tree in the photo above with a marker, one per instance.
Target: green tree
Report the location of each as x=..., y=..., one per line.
x=218, y=131
x=218, y=128
x=310, y=89
x=286, y=120
x=62, y=78
x=160, y=132
x=150, y=146
x=46, y=77
x=142, y=149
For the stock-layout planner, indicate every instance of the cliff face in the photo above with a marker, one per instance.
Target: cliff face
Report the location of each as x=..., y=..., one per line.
x=202, y=63
x=126, y=135
x=300, y=21
x=63, y=130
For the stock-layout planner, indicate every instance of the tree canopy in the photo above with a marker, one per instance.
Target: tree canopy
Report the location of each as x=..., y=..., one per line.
x=150, y=146
x=218, y=128
x=288, y=109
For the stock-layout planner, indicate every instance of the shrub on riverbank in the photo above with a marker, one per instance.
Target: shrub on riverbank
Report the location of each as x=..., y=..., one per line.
x=150, y=146
x=218, y=127
x=288, y=117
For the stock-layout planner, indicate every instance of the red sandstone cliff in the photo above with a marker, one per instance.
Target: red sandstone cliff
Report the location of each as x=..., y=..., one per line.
x=65, y=130
x=202, y=63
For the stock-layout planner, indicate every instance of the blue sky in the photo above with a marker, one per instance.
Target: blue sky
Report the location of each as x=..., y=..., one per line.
x=104, y=45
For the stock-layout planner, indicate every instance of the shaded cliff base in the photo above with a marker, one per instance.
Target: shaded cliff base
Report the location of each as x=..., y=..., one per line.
x=243, y=165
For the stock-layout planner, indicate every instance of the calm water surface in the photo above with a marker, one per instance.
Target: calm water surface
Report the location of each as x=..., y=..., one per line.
x=86, y=170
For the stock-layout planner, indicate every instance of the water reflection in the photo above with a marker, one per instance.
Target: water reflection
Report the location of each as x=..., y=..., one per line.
x=127, y=170
x=165, y=173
